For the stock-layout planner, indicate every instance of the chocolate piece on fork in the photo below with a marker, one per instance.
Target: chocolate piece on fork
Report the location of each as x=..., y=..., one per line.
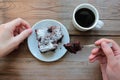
x=73, y=47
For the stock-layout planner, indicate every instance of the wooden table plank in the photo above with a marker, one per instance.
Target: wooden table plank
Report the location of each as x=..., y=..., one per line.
x=63, y=8
x=30, y=69
x=110, y=28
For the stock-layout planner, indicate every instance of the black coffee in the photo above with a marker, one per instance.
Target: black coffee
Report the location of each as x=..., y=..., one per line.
x=85, y=17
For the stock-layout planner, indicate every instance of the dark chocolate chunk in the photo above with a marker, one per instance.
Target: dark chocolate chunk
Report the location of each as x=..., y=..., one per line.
x=73, y=47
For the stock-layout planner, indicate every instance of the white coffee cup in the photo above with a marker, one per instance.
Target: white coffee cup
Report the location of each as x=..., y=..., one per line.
x=97, y=23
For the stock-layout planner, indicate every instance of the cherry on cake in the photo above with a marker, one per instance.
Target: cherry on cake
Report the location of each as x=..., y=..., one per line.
x=48, y=38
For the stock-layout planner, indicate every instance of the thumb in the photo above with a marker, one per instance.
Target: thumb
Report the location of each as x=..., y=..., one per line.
x=107, y=51
x=23, y=35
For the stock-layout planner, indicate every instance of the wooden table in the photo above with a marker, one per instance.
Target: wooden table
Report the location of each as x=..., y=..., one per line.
x=21, y=65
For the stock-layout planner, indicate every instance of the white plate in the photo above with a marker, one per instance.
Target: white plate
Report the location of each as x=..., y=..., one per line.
x=33, y=43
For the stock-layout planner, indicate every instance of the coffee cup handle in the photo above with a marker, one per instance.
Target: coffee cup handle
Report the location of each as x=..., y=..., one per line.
x=99, y=25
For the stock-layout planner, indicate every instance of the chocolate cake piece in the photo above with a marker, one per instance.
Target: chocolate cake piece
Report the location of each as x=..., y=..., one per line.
x=70, y=47
x=48, y=38
x=73, y=47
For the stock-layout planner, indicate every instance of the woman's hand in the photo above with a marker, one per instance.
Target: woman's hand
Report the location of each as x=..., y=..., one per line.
x=12, y=34
x=109, y=58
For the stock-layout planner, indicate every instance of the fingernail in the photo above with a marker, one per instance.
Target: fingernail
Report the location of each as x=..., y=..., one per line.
x=97, y=42
x=91, y=57
x=104, y=44
x=30, y=30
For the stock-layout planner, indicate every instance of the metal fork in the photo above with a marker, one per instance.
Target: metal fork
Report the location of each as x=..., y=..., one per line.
x=93, y=45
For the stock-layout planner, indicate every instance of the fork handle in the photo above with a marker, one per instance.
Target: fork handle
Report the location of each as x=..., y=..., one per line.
x=93, y=45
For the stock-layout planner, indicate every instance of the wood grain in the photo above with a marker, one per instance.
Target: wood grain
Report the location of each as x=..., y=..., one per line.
x=21, y=65
x=62, y=10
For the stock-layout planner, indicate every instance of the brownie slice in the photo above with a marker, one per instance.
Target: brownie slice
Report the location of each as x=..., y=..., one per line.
x=48, y=38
